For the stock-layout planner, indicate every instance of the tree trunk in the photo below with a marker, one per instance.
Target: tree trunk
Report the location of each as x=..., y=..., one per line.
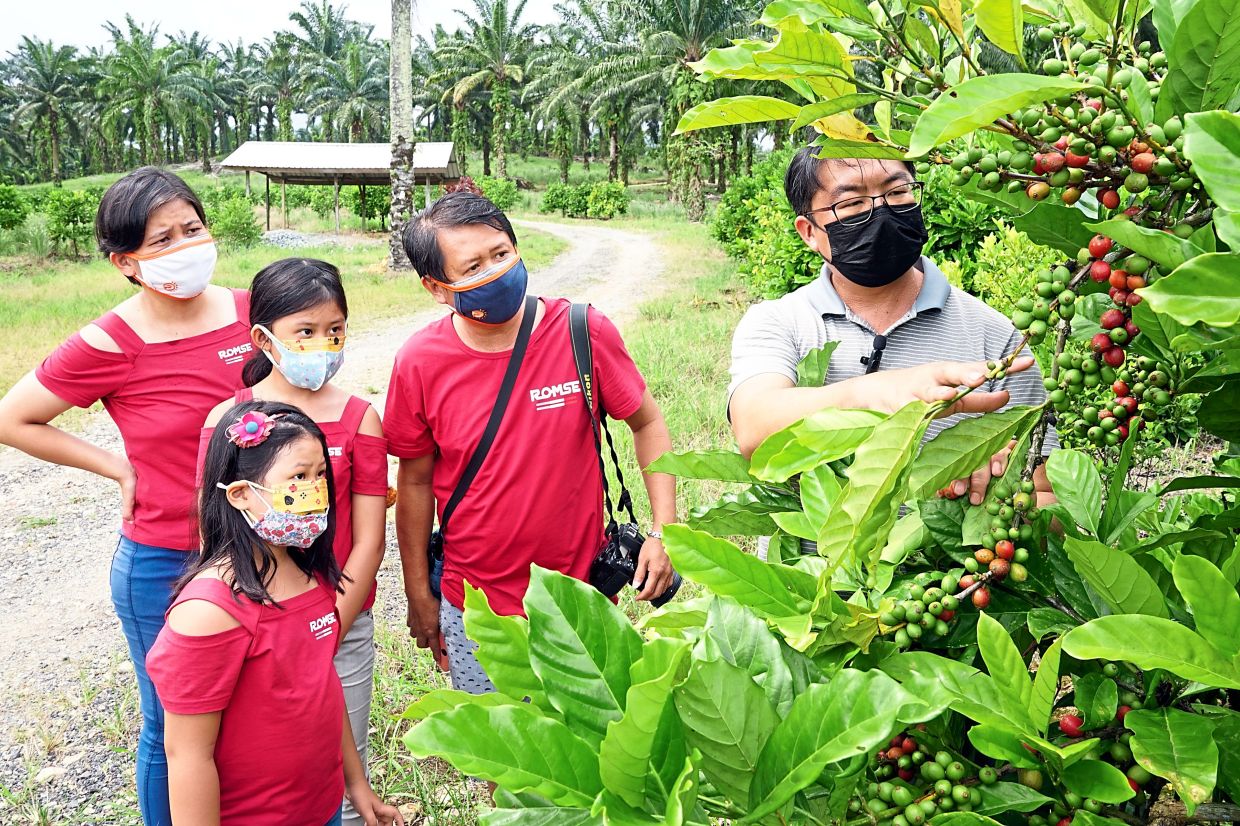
x=613, y=149
x=734, y=154
x=401, y=107
x=486, y=154
x=499, y=122
x=777, y=134
x=585, y=142
x=206, y=155
x=721, y=175
x=748, y=153
x=53, y=127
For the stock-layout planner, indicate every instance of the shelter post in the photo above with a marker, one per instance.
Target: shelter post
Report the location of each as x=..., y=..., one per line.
x=247, y=184
x=267, y=178
x=284, y=200
x=336, y=202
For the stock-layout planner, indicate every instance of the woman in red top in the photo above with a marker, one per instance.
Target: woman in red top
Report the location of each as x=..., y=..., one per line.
x=158, y=362
x=299, y=317
x=257, y=732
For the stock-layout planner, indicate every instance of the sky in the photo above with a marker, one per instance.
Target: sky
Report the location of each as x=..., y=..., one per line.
x=80, y=22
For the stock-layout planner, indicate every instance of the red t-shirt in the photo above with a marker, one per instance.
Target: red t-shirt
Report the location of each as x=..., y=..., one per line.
x=158, y=395
x=278, y=750
x=359, y=466
x=538, y=496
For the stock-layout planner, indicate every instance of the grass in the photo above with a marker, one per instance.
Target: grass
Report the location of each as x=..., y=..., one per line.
x=44, y=302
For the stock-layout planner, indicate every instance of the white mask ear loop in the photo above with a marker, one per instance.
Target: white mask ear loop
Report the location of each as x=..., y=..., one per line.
x=249, y=518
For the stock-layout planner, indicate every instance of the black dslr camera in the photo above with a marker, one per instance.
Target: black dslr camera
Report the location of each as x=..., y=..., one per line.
x=616, y=564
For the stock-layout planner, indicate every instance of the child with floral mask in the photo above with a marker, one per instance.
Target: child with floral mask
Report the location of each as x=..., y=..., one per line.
x=298, y=317
x=254, y=626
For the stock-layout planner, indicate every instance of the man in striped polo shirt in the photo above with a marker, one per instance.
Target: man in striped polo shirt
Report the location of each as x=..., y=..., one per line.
x=904, y=332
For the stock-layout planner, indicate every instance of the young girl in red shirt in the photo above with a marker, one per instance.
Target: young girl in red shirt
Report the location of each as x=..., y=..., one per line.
x=298, y=318
x=158, y=361
x=256, y=727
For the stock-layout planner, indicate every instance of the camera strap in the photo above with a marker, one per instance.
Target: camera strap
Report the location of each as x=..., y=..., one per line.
x=497, y=412
x=583, y=356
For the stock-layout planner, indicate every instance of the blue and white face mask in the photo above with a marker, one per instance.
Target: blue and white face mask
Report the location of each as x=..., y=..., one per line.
x=494, y=295
x=308, y=363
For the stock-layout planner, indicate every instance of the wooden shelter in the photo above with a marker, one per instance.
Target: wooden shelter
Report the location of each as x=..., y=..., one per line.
x=337, y=165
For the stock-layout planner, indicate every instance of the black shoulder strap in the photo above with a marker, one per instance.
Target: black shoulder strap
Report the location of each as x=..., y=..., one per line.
x=497, y=412
x=583, y=356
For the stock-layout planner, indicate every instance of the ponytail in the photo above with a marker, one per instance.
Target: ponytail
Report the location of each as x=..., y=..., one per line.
x=257, y=368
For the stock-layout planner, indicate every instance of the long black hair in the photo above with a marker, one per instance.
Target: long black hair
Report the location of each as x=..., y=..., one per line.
x=227, y=538
x=283, y=288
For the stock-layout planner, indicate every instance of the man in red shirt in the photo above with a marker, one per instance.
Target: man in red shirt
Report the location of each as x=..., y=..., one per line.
x=537, y=497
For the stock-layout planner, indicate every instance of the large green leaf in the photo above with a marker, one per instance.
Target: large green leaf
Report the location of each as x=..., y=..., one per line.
x=820, y=490
x=1227, y=741
x=998, y=798
x=829, y=147
x=581, y=647
x=823, y=437
x=1213, y=601
x=825, y=109
x=716, y=465
x=966, y=446
x=682, y=802
x=1002, y=744
x=1220, y=414
x=938, y=680
x=743, y=513
x=503, y=648
x=736, y=635
x=728, y=571
x=445, y=699
x=1045, y=688
x=1157, y=332
x=728, y=719
x=814, y=11
x=1203, y=71
x=1101, y=781
x=1167, y=17
x=827, y=724
x=804, y=52
x=1097, y=698
x=1152, y=642
x=867, y=508
x=734, y=111
x=812, y=368
x=1212, y=143
x=978, y=102
x=1003, y=660
x=1002, y=21
x=513, y=746
x=1116, y=576
x=1077, y=486
x=624, y=754
x=1202, y=289
x=1161, y=247
x=1178, y=747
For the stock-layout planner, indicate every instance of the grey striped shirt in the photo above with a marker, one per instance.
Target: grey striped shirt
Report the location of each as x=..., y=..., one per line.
x=944, y=324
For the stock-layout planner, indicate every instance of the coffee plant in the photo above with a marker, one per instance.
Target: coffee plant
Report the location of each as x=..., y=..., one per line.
x=901, y=657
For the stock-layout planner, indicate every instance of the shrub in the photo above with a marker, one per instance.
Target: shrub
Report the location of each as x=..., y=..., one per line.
x=1005, y=266
x=499, y=191
x=13, y=207
x=607, y=200
x=233, y=223
x=570, y=200
x=322, y=200
x=378, y=203
x=956, y=224
x=734, y=223
x=33, y=236
x=71, y=218
x=774, y=259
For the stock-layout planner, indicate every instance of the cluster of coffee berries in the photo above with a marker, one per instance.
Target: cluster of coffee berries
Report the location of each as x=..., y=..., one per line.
x=1003, y=561
x=914, y=784
x=1133, y=395
x=1055, y=300
x=1119, y=753
x=925, y=613
x=1004, y=503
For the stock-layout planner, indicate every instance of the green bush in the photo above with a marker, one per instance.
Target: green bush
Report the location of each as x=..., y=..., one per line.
x=774, y=259
x=378, y=203
x=734, y=222
x=322, y=200
x=33, y=236
x=233, y=223
x=71, y=218
x=1005, y=267
x=570, y=200
x=499, y=191
x=607, y=200
x=13, y=207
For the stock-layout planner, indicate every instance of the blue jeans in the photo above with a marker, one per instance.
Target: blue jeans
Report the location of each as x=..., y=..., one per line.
x=142, y=579
x=337, y=818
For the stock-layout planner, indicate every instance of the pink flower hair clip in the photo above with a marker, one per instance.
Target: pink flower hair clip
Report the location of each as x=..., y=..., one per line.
x=251, y=429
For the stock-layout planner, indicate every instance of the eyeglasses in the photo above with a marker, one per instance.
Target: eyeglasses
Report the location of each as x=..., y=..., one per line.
x=858, y=209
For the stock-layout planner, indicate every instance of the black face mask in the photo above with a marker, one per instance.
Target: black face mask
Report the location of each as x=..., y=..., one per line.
x=876, y=253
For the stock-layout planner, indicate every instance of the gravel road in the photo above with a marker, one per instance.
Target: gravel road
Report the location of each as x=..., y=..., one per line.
x=68, y=713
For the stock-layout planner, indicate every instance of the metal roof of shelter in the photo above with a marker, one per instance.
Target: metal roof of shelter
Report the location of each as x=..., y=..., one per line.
x=346, y=164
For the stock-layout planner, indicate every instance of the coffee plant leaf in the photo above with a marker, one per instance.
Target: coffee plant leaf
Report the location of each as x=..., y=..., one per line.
x=1213, y=601
x=1077, y=486
x=738, y=636
x=735, y=111
x=1152, y=642
x=815, y=440
x=1003, y=661
x=1101, y=781
x=1002, y=744
x=998, y=798
x=965, y=446
x=1178, y=747
x=715, y=465
x=1117, y=578
x=1203, y=73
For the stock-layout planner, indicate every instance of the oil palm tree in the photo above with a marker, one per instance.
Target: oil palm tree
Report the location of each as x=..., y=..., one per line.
x=46, y=88
x=324, y=30
x=351, y=91
x=400, y=105
x=278, y=83
x=155, y=84
x=491, y=53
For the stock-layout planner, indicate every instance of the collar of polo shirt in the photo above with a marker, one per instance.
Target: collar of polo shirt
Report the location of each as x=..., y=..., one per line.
x=933, y=296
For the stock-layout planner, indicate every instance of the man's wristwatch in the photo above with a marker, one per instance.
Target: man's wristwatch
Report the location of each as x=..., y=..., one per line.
x=655, y=535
